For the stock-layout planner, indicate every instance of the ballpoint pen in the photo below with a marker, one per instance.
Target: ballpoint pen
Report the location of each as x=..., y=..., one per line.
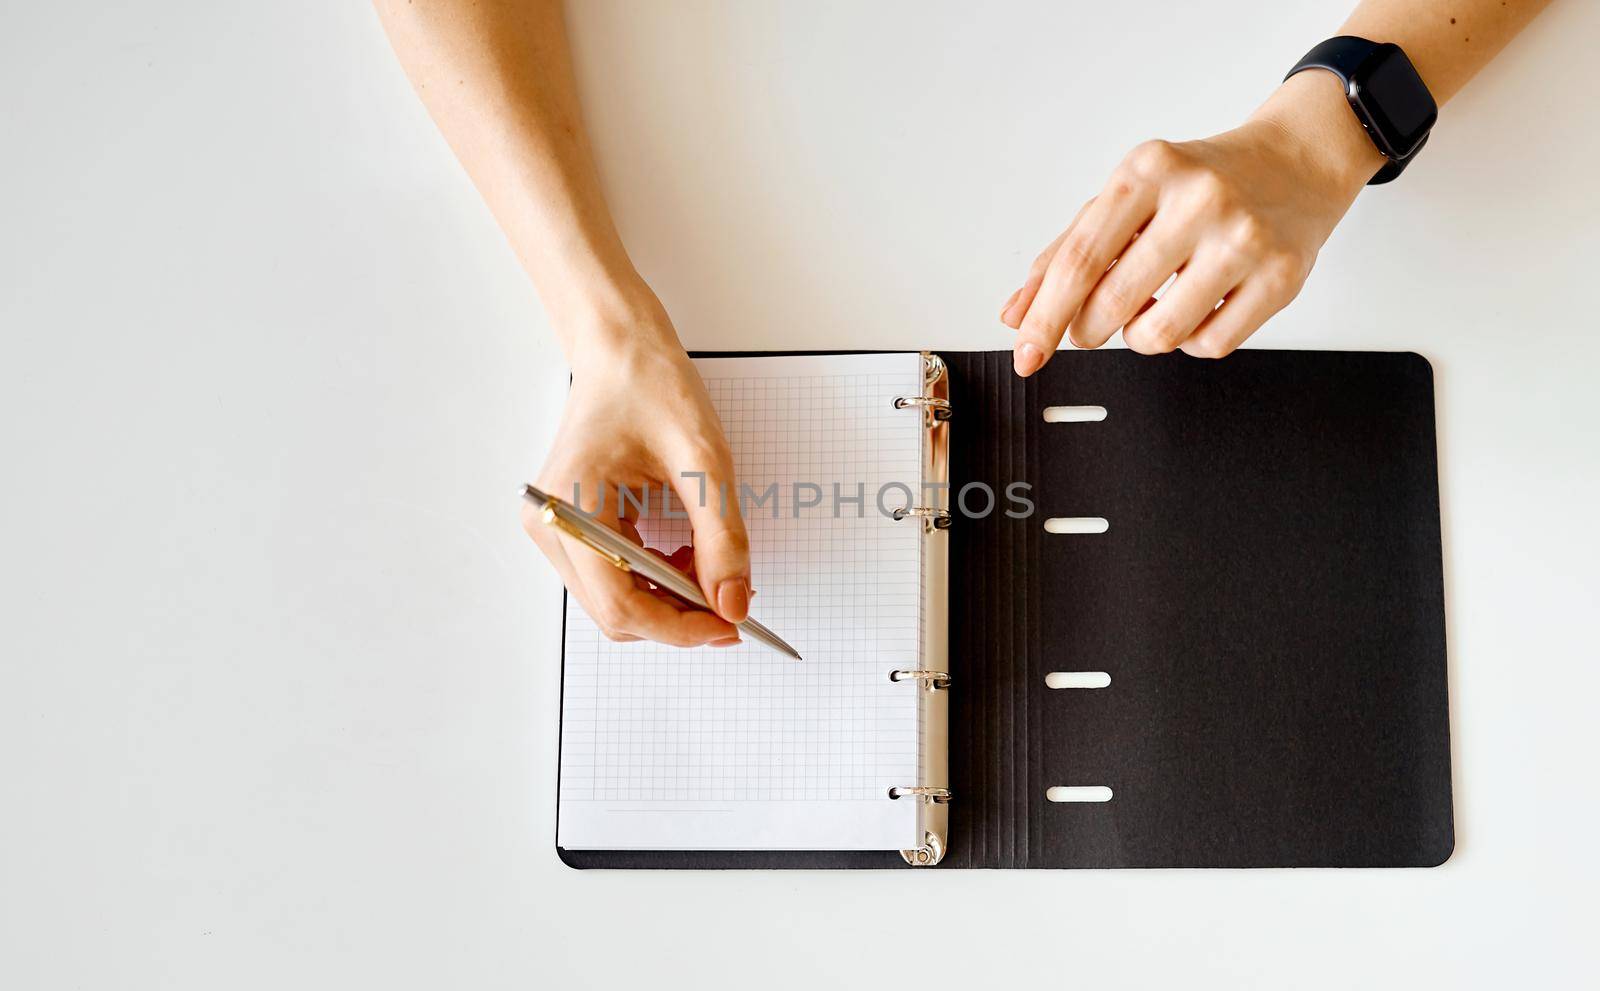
x=628, y=556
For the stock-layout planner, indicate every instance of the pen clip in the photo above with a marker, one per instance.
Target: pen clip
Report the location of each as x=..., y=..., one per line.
x=550, y=518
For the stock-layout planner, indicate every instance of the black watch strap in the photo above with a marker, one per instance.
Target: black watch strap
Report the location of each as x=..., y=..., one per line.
x=1342, y=55
x=1392, y=167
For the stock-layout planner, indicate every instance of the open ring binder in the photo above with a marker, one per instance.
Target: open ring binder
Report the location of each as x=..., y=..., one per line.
x=932, y=677
x=1308, y=729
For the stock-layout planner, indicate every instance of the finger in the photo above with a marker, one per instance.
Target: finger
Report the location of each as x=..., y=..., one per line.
x=545, y=539
x=1158, y=251
x=1190, y=299
x=721, y=546
x=683, y=560
x=1242, y=312
x=1006, y=306
x=614, y=601
x=1085, y=253
x=1017, y=305
x=617, y=604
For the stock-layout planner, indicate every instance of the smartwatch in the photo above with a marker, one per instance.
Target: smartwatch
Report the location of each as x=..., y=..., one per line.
x=1386, y=94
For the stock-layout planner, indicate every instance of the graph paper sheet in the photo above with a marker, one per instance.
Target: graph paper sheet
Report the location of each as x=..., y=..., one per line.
x=741, y=748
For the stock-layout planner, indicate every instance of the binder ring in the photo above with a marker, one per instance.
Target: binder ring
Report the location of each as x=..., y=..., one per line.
x=937, y=679
x=938, y=519
x=938, y=796
x=939, y=408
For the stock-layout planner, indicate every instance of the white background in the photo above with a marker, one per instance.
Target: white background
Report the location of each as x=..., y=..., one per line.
x=278, y=692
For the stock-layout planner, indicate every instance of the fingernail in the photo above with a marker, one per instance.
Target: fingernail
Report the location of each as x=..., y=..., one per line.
x=1028, y=359
x=726, y=642
x=1014, y=313
x=1011, y=299
x=733, y=599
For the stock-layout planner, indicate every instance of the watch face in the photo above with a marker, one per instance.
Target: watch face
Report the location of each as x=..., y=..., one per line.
x=1392, y=98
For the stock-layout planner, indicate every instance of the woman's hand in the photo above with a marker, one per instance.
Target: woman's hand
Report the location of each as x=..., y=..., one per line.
x=1239, y=217
x=638, y=415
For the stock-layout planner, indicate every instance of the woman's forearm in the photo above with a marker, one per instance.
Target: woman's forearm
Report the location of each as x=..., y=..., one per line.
x=497, y=78
x=1447, y=40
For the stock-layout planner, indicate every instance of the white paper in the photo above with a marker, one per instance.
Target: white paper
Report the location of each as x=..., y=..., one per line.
x=741, y=748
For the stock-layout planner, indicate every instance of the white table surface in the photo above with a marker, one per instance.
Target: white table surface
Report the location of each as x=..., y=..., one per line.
x=280, y=683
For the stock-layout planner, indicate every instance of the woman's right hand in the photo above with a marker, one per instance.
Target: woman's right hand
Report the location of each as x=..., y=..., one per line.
x=638, y=415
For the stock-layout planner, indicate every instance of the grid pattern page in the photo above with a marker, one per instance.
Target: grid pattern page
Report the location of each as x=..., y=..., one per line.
x=742, y=748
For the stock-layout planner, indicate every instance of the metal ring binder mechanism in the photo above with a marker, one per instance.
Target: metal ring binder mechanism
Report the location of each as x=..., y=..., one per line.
x=940, y=678
x=940, y=795
x=935, y=518
x=932, y=679
x=938, y=408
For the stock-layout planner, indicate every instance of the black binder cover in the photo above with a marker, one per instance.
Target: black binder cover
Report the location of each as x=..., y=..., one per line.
x=1268, y=601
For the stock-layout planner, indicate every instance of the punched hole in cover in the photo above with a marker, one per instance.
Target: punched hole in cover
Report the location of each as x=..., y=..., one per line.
x=1078, y=793
x=1074, y=414
x=1076, y=524
x=1077, y=679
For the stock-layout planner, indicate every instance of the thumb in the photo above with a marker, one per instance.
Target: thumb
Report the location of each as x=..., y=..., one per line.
x=721, y=546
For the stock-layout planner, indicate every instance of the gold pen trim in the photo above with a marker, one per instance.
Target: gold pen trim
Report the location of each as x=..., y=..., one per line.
x=550, y=518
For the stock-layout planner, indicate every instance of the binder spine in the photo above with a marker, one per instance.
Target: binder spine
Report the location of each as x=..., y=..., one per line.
x=932, y=678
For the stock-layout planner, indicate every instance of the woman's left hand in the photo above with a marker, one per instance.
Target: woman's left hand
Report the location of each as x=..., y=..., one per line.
x=1238, y=217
